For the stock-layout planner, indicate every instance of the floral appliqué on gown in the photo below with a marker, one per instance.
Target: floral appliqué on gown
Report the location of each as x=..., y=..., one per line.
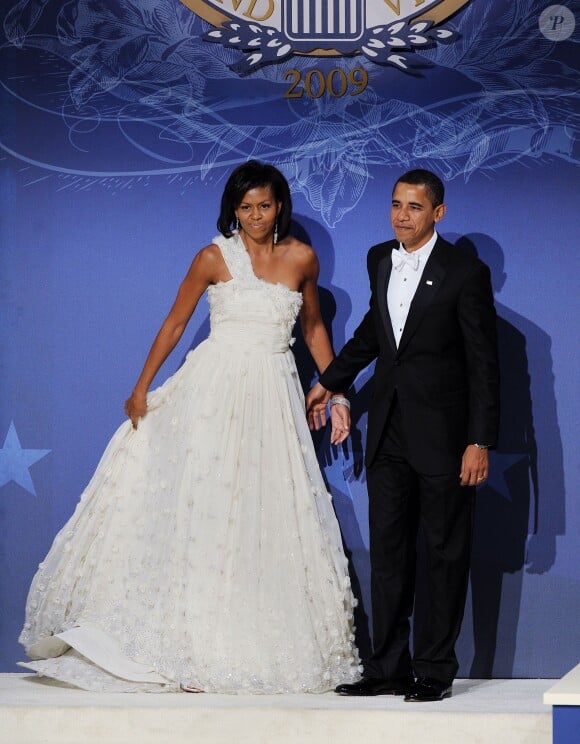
x=205, y=550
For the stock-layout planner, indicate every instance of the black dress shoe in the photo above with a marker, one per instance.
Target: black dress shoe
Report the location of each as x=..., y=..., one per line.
x=374, y=686
x=428, y=690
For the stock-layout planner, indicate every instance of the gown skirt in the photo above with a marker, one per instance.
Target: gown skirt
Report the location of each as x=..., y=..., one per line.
x=205, y=550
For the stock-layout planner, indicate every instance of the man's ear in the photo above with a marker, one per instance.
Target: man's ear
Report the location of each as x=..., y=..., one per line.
x=440, y=212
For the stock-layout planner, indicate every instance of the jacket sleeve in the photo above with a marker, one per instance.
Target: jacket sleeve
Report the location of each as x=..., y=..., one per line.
x=362, y=348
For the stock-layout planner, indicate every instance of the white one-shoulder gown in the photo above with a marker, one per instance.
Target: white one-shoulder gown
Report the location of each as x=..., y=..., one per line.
x=205, y=550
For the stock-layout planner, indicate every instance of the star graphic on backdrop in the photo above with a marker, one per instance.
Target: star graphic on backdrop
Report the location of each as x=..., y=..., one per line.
x=15, y=461
x=499, y=464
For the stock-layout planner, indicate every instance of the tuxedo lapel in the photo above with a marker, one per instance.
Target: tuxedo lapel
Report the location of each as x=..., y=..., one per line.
x=383, y=274
x=429, y=285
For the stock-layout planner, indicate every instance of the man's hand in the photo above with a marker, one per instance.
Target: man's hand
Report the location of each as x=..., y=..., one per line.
x=316, y=401
x=474, y=466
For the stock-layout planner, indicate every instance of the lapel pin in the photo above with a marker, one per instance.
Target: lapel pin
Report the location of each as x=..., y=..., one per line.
x=429, y=282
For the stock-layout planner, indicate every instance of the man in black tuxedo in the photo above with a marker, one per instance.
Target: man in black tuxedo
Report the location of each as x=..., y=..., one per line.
x=431, y=327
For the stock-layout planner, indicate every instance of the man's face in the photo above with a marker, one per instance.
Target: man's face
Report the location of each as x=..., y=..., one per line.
x=413, y=216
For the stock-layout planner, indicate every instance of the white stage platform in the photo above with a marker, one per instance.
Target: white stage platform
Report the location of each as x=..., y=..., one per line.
x=37, y=711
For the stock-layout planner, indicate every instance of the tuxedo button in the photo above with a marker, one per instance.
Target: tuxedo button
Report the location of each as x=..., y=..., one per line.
x=397, y=363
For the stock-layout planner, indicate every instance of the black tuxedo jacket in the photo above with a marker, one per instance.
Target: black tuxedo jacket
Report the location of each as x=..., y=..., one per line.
x=444, y=372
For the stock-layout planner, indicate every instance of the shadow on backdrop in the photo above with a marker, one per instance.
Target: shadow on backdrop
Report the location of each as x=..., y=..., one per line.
x=520, y=510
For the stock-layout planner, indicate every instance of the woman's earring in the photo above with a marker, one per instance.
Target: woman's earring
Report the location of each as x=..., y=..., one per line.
x=276, y=231
x=237, y=223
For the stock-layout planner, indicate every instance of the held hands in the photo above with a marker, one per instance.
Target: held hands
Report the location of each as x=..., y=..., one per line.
x=474, y=466
x=316, y=402
x=136, y=407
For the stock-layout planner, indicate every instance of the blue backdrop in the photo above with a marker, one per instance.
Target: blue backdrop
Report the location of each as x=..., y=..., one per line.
x=121, y=122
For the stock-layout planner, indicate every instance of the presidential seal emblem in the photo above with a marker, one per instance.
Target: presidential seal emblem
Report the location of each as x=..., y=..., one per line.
x=386, y=32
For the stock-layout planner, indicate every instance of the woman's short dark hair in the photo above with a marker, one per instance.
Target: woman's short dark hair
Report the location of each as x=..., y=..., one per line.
x=252, y=175
x=432, y=183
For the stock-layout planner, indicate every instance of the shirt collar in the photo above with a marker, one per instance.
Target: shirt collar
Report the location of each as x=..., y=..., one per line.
x=424, y=251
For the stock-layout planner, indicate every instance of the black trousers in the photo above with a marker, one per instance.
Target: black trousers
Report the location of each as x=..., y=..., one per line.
x=400, y=499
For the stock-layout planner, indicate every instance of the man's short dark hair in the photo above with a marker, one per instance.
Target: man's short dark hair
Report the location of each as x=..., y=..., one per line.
x=432, y=183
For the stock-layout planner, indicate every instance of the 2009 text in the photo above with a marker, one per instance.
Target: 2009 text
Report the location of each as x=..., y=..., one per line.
x=336, y=83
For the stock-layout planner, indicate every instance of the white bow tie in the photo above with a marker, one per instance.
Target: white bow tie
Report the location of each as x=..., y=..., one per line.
x=400, y=258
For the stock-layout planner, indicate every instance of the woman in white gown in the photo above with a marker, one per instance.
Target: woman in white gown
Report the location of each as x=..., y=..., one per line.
x=205, y=553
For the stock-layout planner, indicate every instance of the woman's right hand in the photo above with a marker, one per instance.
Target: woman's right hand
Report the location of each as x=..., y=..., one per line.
x=136, y=407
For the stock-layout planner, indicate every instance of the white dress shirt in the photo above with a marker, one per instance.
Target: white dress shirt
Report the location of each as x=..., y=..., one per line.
x=403, y=284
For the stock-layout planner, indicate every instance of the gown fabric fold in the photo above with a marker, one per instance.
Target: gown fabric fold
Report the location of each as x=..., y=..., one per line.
x=205, y=550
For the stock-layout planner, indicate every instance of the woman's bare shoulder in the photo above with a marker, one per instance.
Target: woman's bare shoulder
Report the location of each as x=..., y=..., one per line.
x=303, y=258
x=210, y=252
x=210, y=261
x=299, y=251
